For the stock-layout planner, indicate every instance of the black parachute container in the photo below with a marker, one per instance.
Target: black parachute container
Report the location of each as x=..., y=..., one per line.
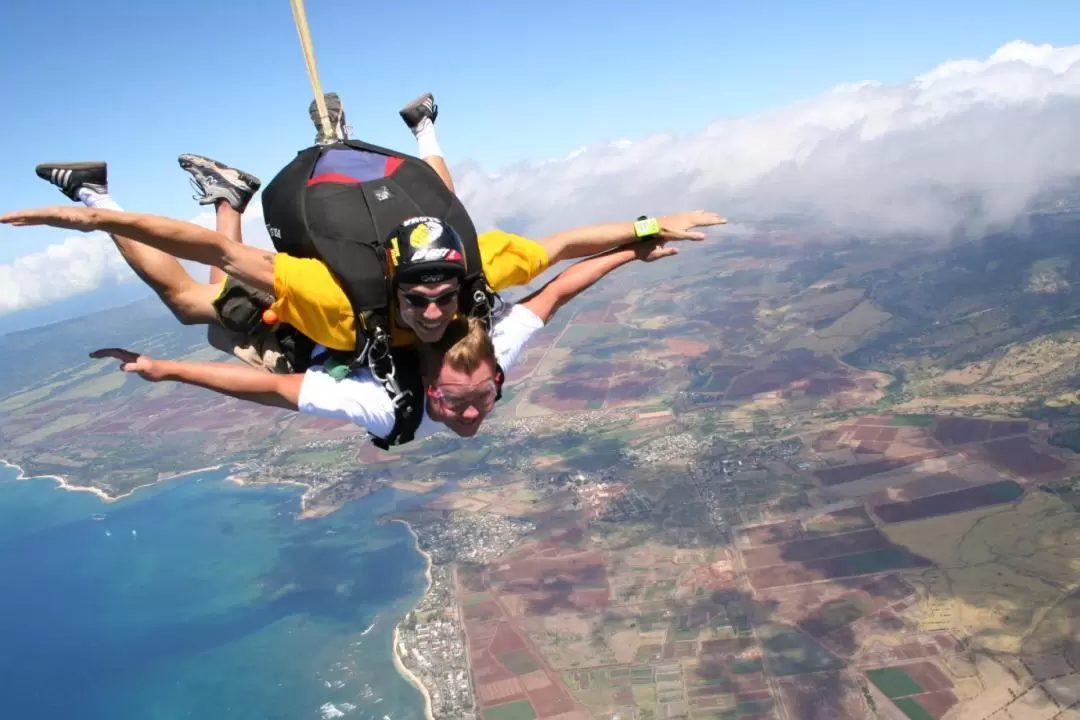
x=339, y=203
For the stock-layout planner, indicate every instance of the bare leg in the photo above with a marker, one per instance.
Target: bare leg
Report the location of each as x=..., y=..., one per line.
x=87, y=183
x=227, y=222
x=439, y=166
x=188, y=300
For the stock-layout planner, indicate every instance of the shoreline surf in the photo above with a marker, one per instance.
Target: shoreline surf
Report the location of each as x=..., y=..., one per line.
x=62, y=483
x=399, y=664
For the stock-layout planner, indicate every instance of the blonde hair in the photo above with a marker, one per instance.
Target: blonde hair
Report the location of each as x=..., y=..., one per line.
x=465, y=346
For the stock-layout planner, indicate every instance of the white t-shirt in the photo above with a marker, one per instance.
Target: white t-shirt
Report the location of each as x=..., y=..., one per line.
x=362, y=400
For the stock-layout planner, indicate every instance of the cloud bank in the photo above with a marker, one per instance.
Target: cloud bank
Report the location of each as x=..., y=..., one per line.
x=970, y=142
x=982, y=136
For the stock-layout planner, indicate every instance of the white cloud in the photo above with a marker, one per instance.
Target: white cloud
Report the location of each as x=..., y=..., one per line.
x=85, y=262
x=912, y=158
x=971, y=141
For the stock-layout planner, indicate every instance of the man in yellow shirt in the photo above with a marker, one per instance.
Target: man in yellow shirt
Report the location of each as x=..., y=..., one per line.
x=303, y=291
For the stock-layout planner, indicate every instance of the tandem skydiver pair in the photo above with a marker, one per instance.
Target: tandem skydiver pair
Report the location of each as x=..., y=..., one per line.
x=362, y=280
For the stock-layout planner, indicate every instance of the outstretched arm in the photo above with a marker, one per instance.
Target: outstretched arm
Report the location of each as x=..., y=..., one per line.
x=183, y=240
x=582, y=275
x=238, y=381
x=592, y=239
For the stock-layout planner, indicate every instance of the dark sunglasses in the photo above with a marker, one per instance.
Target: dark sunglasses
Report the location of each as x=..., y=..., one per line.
x=421, y=301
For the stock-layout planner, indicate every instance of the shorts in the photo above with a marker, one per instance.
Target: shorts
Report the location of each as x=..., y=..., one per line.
x=259, y=349
x=240, y=329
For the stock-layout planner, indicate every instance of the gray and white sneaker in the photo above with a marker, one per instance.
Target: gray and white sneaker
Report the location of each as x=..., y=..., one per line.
x=336, y=111
x=422, y=107
x=215, y=181
x=69, y=177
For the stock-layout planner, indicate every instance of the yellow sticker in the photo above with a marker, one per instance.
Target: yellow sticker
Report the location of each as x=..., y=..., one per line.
x=420, y=235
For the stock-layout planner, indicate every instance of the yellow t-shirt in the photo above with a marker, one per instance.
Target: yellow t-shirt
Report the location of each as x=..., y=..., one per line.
x=310, y=299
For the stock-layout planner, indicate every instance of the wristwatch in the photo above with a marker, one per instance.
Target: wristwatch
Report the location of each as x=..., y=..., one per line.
x=646, y=227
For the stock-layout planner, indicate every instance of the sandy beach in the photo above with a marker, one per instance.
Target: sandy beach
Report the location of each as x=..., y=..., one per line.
x=401, y=668
x=104, y=496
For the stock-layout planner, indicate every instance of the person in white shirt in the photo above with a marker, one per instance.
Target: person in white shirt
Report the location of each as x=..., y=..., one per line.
x=462, y=374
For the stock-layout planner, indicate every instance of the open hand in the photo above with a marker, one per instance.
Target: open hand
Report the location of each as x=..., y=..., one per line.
x=653, y=250
x=131, y=362
x=678, y=226
x=58, y=216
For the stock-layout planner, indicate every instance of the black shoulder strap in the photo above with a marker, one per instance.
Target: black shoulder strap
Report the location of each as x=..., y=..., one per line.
x=409, y=411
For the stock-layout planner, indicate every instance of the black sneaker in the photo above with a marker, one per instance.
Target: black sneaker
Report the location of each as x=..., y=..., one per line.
x=336, y=111
x=69, y=177
x=215, y=181
x=422, y=107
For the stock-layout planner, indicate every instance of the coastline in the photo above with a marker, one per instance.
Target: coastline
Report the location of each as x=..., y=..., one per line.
x=306, y=513
x=105, y=497
x=399, y=665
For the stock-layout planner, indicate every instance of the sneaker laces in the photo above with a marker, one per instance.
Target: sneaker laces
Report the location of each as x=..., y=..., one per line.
x=201, y=192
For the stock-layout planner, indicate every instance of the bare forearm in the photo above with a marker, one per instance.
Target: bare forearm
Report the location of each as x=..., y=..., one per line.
x=575, y=280
x=180, y=239
x=236, y=381
x=188, y=241
x=587, y=240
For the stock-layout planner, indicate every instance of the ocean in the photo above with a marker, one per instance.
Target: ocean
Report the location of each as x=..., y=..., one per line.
x=197, y=598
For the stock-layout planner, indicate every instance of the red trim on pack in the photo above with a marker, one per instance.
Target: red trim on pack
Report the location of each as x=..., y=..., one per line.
x=392, y=164
x=333, y=177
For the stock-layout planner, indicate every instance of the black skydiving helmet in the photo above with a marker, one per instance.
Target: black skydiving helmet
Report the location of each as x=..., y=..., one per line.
x=426, y=251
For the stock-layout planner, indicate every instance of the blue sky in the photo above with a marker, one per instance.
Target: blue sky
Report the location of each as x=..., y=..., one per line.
x=137, y=83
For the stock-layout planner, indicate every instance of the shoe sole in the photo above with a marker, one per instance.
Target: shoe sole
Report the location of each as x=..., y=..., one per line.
x=418, y=101
x=72, y=165
x=238, y=177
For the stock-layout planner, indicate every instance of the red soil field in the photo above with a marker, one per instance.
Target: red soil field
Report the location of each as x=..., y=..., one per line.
x=866, y=433
x=536, y=569
x=793, y=574
x=943, y=504
x=536, y=680
x=497, y=693
x=828, y=441
x=1019, y=456
x=929, y=676
x=575, y=370
x=937, y=703
x=804, y=550
x=958, y=431
x=850, y=473
x=486, y=670
x=506, y=640
x=888, y=434
x=552, y=700
x=929, y=485
x=768, y=534
x=1000, y=429
x=628, y=389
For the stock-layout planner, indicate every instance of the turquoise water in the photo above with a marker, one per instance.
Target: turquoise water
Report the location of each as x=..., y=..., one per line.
x=200, y=599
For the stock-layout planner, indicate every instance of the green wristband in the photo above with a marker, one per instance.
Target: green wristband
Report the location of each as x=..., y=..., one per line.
x=646, y=227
